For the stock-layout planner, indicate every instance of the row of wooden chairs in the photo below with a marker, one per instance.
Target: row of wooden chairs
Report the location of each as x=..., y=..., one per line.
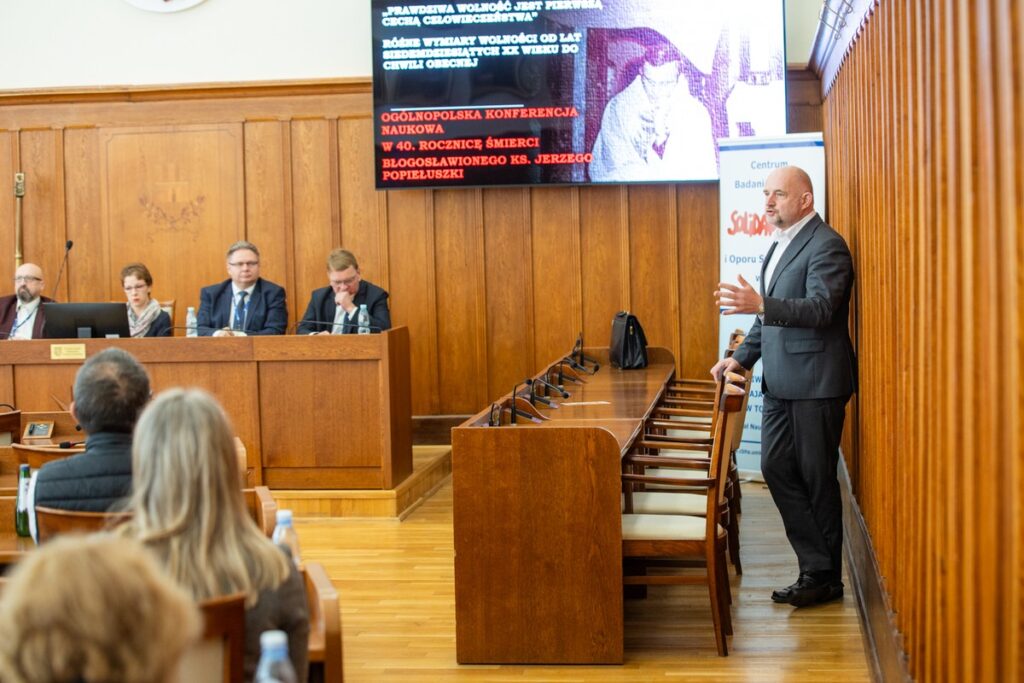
x=683, y=464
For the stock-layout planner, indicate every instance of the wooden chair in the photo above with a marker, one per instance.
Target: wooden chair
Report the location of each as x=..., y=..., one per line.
x=51, y=522
x=37, y=456
x=683, y=537
x=325, y=653
x=167, y=306
x=220, y=655
x=262, y=508
x=694, y=443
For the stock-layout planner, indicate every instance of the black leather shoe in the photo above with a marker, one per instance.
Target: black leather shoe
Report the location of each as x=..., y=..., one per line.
x=816, y=591
x=784, y=595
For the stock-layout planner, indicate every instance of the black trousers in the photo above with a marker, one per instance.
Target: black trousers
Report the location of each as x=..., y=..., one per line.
x=799, y=456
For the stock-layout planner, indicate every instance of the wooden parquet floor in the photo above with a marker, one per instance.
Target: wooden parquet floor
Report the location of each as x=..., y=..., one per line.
x=395, y=582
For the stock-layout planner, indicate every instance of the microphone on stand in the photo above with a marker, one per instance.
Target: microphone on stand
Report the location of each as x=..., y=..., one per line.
x=551, y=387
x=63, y=263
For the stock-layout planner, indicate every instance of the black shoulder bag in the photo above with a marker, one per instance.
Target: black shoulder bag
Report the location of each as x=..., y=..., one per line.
x=628, y=348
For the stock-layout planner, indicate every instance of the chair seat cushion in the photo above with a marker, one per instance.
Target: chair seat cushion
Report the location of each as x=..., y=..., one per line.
x=669, y=503
x=664, y=528
x=673, y=473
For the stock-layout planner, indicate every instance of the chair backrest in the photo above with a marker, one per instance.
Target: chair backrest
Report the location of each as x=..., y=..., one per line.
x=50, y=521
x=324, y=623
x=37, y=456
x=729, y=413
x=262, y=508
x=220, y=656
x=167, y=306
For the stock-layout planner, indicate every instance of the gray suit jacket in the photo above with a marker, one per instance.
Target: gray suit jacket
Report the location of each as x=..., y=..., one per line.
x=803, y=340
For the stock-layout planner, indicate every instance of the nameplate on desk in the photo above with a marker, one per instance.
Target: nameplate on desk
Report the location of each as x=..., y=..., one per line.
x=586, y=403
x=67, y=351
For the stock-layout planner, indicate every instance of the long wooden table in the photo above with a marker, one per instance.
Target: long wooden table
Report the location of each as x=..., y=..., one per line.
x=320, y=412
x=538, y=529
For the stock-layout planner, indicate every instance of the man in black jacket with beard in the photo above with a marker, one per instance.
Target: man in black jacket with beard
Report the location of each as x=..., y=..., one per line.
x=111, y=389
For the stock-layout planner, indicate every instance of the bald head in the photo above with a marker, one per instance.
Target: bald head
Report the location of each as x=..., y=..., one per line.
x=28, y=282
x=788, y=196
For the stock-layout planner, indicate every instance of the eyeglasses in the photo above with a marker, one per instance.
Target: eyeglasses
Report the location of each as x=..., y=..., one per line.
x=346, y=282
x=27, y=278
x=135, y=288
x=244, y=264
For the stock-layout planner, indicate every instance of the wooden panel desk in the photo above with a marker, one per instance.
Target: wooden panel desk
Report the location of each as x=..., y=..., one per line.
x=538, y=529
x=321, y=412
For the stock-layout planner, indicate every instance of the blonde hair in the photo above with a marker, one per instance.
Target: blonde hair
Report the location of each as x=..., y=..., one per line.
x=341, y=259
x=187, y=505
x=93, y=608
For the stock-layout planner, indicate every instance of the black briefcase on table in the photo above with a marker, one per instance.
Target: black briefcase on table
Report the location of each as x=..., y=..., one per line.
x=628, y=348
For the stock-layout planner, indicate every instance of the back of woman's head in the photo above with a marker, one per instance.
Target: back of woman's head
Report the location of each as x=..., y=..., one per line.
x=93, y=608
x=187, y=501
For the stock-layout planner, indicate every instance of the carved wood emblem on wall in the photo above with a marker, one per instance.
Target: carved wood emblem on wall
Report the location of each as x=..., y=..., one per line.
x=175, y=216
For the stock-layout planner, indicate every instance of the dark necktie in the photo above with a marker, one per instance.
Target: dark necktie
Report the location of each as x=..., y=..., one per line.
x=239, y=322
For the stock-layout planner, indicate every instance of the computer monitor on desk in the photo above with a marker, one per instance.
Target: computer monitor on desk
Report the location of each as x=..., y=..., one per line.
x=85, y=320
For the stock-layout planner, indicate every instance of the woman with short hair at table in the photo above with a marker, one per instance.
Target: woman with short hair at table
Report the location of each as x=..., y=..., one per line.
x=187, y=507
x=145, y=317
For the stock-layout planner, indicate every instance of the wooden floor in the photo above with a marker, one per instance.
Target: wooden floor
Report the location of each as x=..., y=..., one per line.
x=395, y=582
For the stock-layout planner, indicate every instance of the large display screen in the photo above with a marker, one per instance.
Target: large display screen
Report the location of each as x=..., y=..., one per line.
x=530, y=92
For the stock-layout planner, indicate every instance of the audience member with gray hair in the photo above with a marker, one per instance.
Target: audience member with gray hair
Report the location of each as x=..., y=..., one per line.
x=111, y=389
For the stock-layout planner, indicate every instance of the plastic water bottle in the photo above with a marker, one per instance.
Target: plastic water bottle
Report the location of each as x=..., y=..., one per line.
x=21, y=504
x=190, y=322
x=284, y=534
x=363, y=319
x=274, y=666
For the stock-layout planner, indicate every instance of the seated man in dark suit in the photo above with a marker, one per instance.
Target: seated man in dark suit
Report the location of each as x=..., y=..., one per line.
x=333, y=309
x=245, y=303
x=21, y=313
x=111, y=389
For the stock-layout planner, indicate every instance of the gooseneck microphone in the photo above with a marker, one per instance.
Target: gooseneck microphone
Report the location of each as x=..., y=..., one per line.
x=63, y=263
x=551, y=387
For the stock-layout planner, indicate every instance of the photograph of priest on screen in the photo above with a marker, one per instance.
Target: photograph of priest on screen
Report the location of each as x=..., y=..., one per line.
x=654, y=128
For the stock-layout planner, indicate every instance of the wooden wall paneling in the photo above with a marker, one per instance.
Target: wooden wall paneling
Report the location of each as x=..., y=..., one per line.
x=990, y=628
x=697, y=228
x=362, y=231
x=174, y=198
x=509, y=287
x=9, y=164
x=269, y=218
x=926, y=111
x=556, y=271
x=43, y=224
x=90, y=279
x=604, y=262
x=803, y=101
x=654, y=275
x=461, y=299
x=1010, y=110
x=314, y=203
x=413, y=293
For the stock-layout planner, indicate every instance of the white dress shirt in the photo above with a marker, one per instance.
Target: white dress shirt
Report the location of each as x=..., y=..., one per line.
x=25, y=320
x=784, y=239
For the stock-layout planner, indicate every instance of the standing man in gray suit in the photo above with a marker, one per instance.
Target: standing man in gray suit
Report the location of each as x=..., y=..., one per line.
x=808, y=375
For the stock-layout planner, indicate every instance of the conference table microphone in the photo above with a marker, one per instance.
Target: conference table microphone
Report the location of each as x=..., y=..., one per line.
x=63, y=263
x=533, y=397
x=69, y=444
x=552, y=387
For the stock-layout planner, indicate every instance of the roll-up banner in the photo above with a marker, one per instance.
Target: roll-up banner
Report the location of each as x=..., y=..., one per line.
x=746, y=237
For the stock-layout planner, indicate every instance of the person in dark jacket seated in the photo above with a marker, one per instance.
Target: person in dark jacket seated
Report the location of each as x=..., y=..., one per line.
x=245, y=303
x=145, y=316
x=111, y=389
x=333, y=309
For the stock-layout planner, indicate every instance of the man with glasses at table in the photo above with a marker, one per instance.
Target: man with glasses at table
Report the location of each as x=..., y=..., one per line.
x=655, y=128
x=245, y=303
x=333, y=309
x=21, y=316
